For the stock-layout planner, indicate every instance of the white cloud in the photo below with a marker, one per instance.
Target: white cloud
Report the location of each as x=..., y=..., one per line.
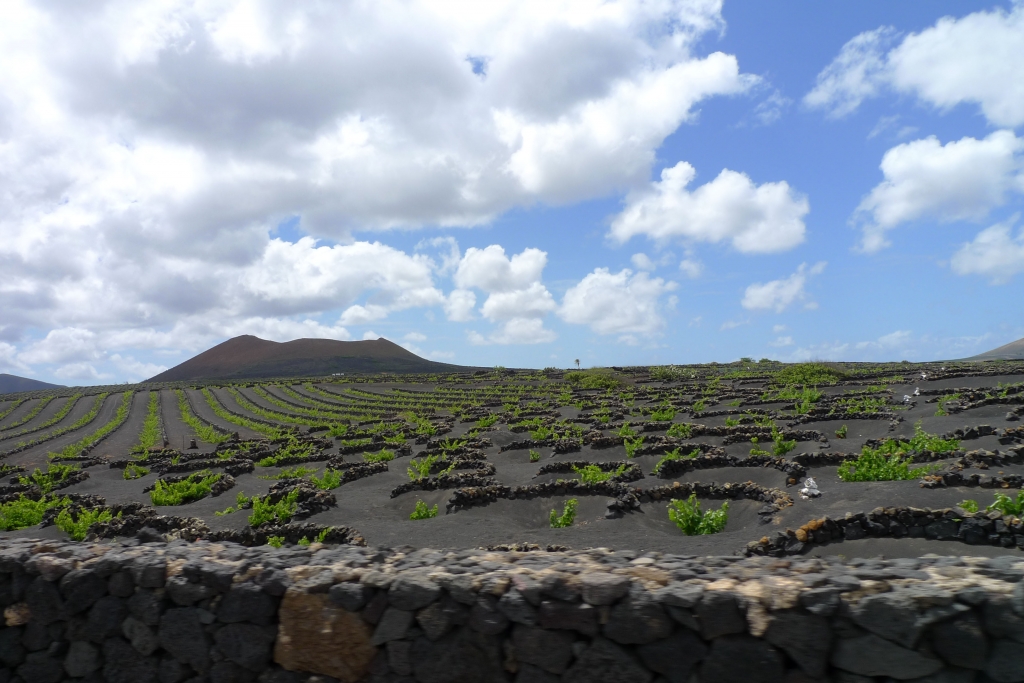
x=754, y=218
x=490, y=270
x=616, y=303
x=691, y=268
x=128, y=210
x=994, y=253
x=733, y=324
x=642, y=261
x=534, y=301
x=133, y=370
x=781, y=294
x=63, y=345
x=415, y=337
x=974, y=59
x=963, y=179
x=459, y=305
x=84, y=372
x=370, y=335
x=516, y=331
x=782, y=341
x=778, y=328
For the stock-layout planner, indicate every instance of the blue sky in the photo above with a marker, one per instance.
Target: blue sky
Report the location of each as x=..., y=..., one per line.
x=520, y=184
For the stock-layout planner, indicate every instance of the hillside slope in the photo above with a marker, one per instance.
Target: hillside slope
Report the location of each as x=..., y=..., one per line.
x=12, y=384
x=248, y=357
x=1012, y=351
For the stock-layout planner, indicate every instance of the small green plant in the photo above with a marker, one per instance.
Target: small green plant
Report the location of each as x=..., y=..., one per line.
x=592, y=474
x=625, y=432
x=24, y=512
x=382, y=455
x=779, y=445
x=755, y=450
x=423, y=512
x=133, y=471
x=297, y=472
x=809, y=374
x=567, y=517
x=1008, y=506
x=680, y=431
x=873, y=465
x=47, y=481
x=331, y=479
x=732, y=422
x=336, y=430
x=842, y=432
x=264, y=511
x=534, y=455
x=78, y=528
x=322, y=536
x=304, y=541
x=275, y=541
x=197, y=485
x=240, y=500
x=943, y=401
x=698, y=406
x=968, y=505
x=633, y=445
x=485, y=422
x=664, y=413
x=692, y=521
x=675, y=454
x=420, y=469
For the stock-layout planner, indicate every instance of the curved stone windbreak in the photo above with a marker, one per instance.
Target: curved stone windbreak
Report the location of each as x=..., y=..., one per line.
x=182, y=611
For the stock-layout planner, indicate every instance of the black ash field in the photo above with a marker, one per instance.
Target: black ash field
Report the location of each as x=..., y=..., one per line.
x=351, y=459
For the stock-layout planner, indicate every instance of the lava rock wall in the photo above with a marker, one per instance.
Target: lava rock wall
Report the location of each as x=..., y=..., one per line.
x=178, y=611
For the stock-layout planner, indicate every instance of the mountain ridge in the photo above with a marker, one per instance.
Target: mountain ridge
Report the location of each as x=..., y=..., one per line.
x=249, y=357
x=1012, y=351
x=13, y=384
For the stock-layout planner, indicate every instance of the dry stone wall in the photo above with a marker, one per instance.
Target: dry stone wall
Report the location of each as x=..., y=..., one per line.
x=176, y=611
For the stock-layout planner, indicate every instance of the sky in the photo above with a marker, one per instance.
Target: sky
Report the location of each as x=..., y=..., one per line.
x=521, y=183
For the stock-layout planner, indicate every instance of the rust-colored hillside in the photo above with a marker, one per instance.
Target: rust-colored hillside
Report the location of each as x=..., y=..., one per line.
x=251, y=357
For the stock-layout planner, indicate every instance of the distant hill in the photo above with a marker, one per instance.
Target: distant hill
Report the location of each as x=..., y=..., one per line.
x=249, y=357
x=12, y=384
x=1011, y=351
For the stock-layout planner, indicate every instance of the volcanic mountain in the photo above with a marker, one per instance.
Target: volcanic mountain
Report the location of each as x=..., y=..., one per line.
x=12, y=384
x=248, y=357
x=1012, y=351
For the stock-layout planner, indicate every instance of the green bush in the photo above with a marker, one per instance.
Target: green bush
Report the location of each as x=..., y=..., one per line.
x=423, y=512
x=275, y=541
x=150, y=433
x=592, y=474
x=24, y=512
x=663, y=413
x=382, y=455
x=779, y=445
x=687, y=515
x=78, y=528
x=675, y=454
x=632, y=445
x=873, y=465
x=809, y=374
x=567, y=517
x=264, y=511
x=755, y=450
x=732, y=422
x=534, y=455
x=592, y=379
x=47, y=481
x=331, y=479
x=698, y=406
x=197, y=485
x=133, y=471
x=680, y=431
x=1008, y=506
x=842, y=432
x=420, y=469
x=968, y=505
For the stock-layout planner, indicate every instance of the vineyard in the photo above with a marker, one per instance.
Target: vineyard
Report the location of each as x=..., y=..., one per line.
x=703, y=459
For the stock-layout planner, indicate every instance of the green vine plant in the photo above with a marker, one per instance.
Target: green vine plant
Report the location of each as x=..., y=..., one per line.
x=382, y=455
x=78, y=528
x=567, y=517
x=692, y=521
x=134, y=471
x=534, y=455
x=423, y=512
x=592, y=474
x=196, y=486
x=680, y=431
x=632, y=445
x=675, y=454
x=263, y=511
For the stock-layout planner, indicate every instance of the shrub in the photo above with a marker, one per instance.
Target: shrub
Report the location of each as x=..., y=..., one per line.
x=337, y=429
x=197, y=485
x=275, y=541
x=423, y=512
x=842, y=432
x=133, y=471
x=663, y=414
x=24, y=512
x=969, y=505
x=420, y=469
x=331, y=479
x=680, y=431
x=873, y=465
x=732, y=422
x=78, y=528
x=592, y=379
x=382, y=455
x=675, y=454
x=567, y=517
x=47, y=481
x=592, y=474
x=633, y=445
x=687, y=515
x=1008, y=506
x=698, y=406
x=297, y=472
x=264, y=511
x=809, y=374
x=755, y=450
x=780, y=446
x=534, y=455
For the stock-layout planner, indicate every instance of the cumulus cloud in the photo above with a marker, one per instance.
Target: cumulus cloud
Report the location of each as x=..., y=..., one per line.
x=149, y=161
x=974, y=59
x=963, y=179
x=515, y=331
x=781, y=294
x=691, y=268
x=994, y=253
x=753, y=218
x=459, y=305
x=620, y=303
x=490, y=270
